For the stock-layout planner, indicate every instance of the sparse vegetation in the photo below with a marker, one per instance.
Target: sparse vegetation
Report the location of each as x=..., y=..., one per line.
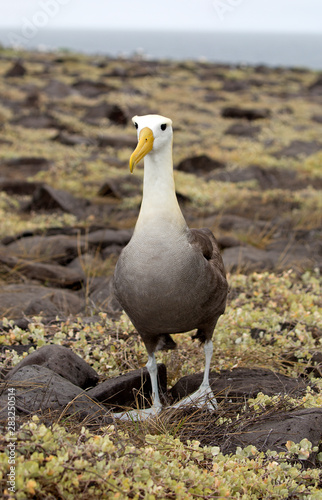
x=273, y=318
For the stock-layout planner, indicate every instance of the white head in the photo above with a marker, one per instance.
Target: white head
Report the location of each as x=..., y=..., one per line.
x=154, y=133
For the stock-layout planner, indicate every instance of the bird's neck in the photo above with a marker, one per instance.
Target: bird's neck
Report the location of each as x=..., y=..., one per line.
x=159, y=204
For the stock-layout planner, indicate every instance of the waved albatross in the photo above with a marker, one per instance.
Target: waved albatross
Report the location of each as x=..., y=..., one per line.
x=169, y=278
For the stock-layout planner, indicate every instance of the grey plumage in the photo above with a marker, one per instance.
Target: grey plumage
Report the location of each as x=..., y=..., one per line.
x=173, y=286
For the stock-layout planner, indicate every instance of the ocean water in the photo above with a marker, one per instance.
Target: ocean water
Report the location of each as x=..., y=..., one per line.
x=272, y=49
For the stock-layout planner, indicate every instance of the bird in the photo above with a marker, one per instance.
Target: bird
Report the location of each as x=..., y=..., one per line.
x=169, y=278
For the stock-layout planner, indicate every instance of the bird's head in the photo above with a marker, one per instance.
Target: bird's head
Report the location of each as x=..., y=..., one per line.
x=154, y=133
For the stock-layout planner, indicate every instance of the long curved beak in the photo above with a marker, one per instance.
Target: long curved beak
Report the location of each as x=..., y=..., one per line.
x=144, y=146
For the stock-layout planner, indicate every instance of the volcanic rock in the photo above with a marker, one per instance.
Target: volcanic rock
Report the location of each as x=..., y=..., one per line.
x=105, y=110
x=131, y=388
x=52, y=274
x=37, y=120
x=117, y=141
x=245, y=113
x=59, y=248
x=37, y=389
x=19, y=300
x=199, y=165
x=240, y=383
x=299, y=148
x=16, y=70
x=243, y=130
x=62, y=361
x=48, y=198
x=58, y=89
x=92, y=89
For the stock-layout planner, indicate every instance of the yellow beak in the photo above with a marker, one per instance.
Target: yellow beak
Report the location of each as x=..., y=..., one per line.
x=144, y=146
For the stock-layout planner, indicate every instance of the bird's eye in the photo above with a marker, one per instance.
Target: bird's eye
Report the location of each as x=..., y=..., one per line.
x=136, y=125
x=163, y=126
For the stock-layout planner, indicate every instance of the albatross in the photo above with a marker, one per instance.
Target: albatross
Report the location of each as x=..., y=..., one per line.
x=169, y=279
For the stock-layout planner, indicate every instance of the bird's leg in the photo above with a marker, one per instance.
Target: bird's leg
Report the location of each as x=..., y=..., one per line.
x=204, y=395
x=153, y=372
x=208, y=348
x=156, y=407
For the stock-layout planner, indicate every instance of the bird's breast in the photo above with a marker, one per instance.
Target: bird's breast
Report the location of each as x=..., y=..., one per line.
x=162, y=283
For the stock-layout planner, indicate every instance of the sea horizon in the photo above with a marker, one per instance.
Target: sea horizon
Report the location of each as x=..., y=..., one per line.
x=235, y=48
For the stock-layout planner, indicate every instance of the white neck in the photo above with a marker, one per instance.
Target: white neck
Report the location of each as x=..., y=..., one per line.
x=160, y=206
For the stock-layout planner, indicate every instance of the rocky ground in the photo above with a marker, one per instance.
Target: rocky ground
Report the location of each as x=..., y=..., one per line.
x=247, y=157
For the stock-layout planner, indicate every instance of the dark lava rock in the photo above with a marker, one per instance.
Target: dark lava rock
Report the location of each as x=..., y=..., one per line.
x=43, y=306
x=235, y=85
x=17, y=301
x=117, y=141
x=63, y=231
x=48, y=198
x=288, y=255
x=105, y=237
x=129, y=389
x=299, y=148
x=38, y=388
x=243, y=130
x=17, y=69
x=313, y=359
x=213, y=97
x=262, y=69
x=271, y=432
x=245, y=113
x=256, y=82
x=116, y=71
x=316, y=87
x=316, y=118
x=19, y=187
x=33, y=99
x=316, y=361
x=83, y=263
x=248, y=258
x=58, y=248
x=52, y=274
x=23, y=167
x=229, y=222
x=199, y=165
x=5, y=141
x=92, y=89
x=228, y=242
x=101, y=296
x=121, y=187
x=73, y=139
x=111, y=250
x=63, y=248
x=110, y=188
x=58, y=89
x=23, y=161
x=250, y=173
x=37, y=120
x=145, y=68
x=105, y=110
x=62, y=361
x=240, y=383
x=267, y=178
x=235, y=223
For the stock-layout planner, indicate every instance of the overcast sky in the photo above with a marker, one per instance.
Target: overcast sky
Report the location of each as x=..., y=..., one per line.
x=228, y=15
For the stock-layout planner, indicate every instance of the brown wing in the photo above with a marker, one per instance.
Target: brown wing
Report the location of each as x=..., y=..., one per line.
x=205, y=241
